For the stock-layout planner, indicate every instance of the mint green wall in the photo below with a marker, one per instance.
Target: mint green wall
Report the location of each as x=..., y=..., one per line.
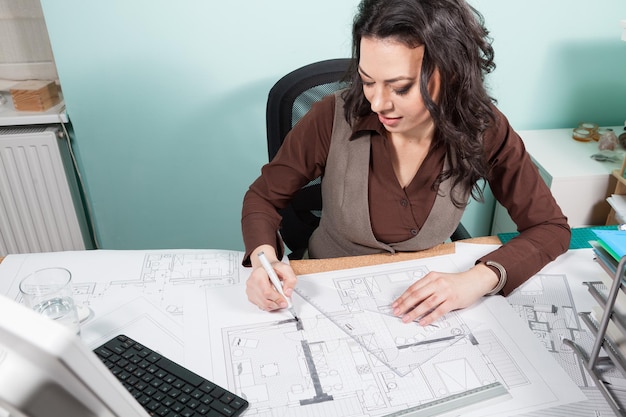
x=167, y=99
x=559, y=62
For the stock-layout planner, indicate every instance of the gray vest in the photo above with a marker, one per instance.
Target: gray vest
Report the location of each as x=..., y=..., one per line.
x=345, y=228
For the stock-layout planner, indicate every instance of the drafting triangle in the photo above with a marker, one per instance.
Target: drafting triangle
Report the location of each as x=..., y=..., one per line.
x=360, y=307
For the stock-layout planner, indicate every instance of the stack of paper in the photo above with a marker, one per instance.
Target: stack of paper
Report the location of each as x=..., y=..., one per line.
x=613, y=242
x=618, y=203
x=609, y=248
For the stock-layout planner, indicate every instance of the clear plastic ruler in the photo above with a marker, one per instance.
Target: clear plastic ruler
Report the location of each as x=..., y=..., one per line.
x=473, y=398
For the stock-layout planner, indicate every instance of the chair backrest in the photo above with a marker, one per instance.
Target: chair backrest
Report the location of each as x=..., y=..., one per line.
x=288, y=100
x=292, y=96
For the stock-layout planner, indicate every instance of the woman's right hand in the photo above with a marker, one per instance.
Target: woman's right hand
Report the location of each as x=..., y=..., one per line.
x=259, y=288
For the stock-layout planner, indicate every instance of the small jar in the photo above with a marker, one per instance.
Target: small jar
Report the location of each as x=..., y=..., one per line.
x=622, y=140
x=592, y=128
x=608, y=140
x=582, y=135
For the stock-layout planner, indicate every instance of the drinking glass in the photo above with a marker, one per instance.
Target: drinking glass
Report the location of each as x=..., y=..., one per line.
x=49, y=292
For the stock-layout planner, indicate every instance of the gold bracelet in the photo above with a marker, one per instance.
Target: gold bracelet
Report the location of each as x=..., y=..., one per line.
x=502, y=281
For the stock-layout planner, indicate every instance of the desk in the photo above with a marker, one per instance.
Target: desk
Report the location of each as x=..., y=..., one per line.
x=579, y=184
x=310, y=266
x=187, y=303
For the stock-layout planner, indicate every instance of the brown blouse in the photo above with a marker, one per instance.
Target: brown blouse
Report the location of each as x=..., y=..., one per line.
x=396, y=213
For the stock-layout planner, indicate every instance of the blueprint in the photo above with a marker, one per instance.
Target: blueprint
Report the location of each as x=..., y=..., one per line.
x=139, y=293
x=550, y=304
x=360, y=305
x=191, y=306
x=313, y=367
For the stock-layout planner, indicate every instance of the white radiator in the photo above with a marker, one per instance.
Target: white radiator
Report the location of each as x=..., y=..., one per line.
x=40, y=205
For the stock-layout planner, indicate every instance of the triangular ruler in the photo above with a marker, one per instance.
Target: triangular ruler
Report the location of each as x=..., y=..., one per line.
x=360, y=306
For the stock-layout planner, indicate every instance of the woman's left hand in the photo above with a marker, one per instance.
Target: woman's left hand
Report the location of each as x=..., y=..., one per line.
x=438, y=293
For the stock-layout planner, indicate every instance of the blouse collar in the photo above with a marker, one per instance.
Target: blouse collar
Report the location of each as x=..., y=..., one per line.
x=369, y=123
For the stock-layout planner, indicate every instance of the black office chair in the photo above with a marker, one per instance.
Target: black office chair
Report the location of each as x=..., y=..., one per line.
x=289, y=99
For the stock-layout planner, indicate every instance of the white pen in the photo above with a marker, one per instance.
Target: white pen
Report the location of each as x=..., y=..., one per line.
x=276, y=282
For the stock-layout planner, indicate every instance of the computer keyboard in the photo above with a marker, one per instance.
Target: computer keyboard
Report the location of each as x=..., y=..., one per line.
x=163, y=387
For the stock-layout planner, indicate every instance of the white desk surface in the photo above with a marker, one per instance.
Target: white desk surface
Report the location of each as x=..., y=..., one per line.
x=547, y=147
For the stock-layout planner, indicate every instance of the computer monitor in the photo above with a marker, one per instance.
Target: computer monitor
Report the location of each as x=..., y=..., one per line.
x=45, y=370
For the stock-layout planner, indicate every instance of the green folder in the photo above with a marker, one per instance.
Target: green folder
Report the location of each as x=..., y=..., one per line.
x=613, y=241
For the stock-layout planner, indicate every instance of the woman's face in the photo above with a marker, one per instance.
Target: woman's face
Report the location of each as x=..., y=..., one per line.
x=390, y=72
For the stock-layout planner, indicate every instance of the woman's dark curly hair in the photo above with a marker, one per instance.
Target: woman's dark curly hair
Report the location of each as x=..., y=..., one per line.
x=457, y=45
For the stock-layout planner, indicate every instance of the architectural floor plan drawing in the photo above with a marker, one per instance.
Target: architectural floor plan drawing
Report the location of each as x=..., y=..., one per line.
x=311, y=367
x=137, y=292
x=160, y=276
x=547, y=305
x=320, y=371
x=346, y=356
x=216, y=268
x=361, y=307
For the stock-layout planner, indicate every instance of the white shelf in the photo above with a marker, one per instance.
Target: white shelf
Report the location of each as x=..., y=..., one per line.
x=11, y=117
x=561, y=156
x=579, y=183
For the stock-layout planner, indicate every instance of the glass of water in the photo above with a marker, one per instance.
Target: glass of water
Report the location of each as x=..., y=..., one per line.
x=49, y=292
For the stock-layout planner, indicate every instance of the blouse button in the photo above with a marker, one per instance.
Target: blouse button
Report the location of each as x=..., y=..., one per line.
x=404, y=202
x=414, y=232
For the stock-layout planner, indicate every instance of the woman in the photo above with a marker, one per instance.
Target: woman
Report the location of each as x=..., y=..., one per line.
x=401, y=150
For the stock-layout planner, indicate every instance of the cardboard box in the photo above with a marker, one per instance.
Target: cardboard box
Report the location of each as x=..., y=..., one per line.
x=35, y=95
